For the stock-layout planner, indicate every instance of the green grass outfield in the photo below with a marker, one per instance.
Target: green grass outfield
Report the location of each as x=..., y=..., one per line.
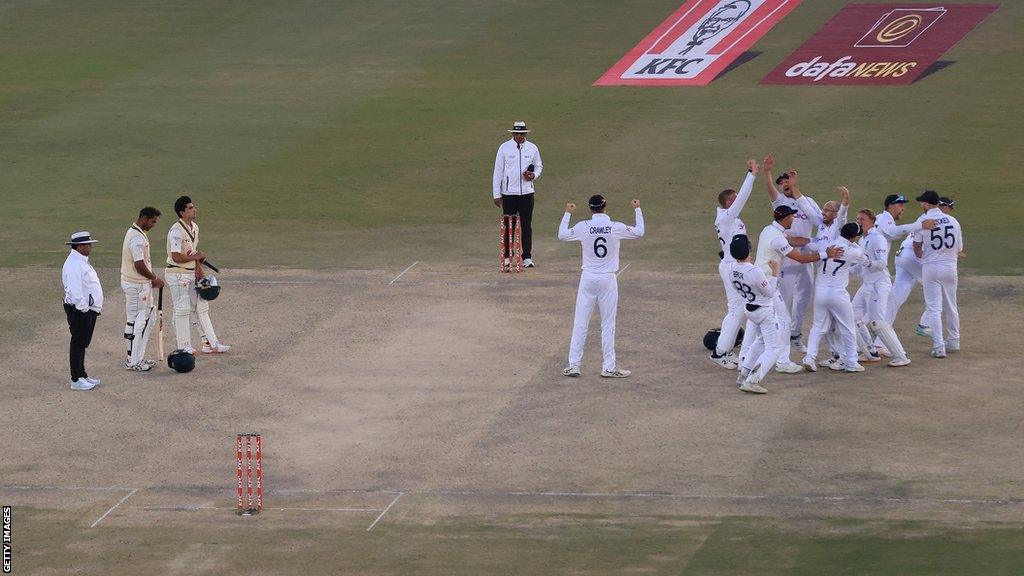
x=349, y=134
x=529, y=544
x=318, y=134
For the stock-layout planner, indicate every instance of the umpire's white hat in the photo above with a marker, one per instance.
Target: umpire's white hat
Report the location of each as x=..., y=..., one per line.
x=519, y=127
x=82, y=237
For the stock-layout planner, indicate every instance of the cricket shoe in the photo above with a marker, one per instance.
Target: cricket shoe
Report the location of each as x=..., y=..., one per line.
x=215, y=349
x=897, y=362
x=938, y=352
x=753, y=388
x=869, y=357
x=855, y=367
x=832, y=362
x=83, y=384
x=724, y=361
x=925, y=331
x=952, y=346
x=140, y=367
x=616, y=373
x=528, y=263
x=809, y=364
x=571, y=371
x=788, y=368
x=883, y=351
x=797, y=342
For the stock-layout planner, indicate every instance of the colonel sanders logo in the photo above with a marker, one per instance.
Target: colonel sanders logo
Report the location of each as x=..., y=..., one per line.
x=722, y=19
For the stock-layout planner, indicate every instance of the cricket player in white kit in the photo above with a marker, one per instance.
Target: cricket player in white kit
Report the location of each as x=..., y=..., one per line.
x=871, y=303
x=795, y=279
x=908, y=273
x=184, y=268
x=137, y=281
x=832, y=301
x=727, y=226
x=774, y=246
x=756, y=292
x=600, y=238
x=938, y=250
x=905, y=257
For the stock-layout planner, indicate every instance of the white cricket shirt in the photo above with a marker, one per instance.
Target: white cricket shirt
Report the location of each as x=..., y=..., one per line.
x=600, y=237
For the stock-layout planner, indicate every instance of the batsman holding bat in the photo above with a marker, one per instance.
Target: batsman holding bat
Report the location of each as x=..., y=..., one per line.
x=184, y=273
x=138, y=281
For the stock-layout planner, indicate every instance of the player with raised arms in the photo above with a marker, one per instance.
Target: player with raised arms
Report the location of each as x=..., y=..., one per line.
x=599, y=238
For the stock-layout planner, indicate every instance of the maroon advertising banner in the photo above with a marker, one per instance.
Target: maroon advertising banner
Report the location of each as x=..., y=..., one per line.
x=879, y=44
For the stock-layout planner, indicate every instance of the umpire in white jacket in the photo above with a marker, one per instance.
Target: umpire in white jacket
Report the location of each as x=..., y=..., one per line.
x=83, y=301
x=516, y=166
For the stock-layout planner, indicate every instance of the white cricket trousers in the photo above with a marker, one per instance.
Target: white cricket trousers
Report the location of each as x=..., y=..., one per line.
x=733, y=316
x=908, y=272
x=601, y=290
x=187, y=303
x=940, y=283
x=138, y=313
x=763, y=325
x=833, y=304
x=871, y=302
x=753, y=346
x=797, y=286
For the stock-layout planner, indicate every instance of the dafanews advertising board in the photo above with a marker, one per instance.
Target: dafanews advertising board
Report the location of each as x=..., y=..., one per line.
x=878, y=44
x=696, y=43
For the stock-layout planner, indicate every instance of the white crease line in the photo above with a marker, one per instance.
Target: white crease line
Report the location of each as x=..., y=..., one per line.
x=402, y=273
x=385, y=511
x=651, y=495
x=330, y=491
x=119, y=502
x=190, y=508
x=623, y=269
x=66, y=488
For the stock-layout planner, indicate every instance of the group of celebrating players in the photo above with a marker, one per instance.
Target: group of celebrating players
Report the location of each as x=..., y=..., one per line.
x=805, y=257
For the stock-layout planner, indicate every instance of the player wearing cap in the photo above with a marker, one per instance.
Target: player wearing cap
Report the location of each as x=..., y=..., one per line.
x=908, y=273
x=600, y=238
x=870, y=304
x=938, y=250
x=756, y=292
x=832, y=301
x=137, y=282
x=774, y=246
x=795, y=279
x=727, y=226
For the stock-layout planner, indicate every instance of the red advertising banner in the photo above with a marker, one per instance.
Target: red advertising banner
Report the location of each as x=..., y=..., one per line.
x=878, y=44
x=696, y=43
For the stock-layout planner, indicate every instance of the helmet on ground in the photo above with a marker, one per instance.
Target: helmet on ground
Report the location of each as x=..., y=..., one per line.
x=208, y=288
x=181, y=361
x=711, y=338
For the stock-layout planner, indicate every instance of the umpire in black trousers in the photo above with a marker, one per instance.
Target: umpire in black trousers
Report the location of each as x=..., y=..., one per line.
x=516, y=166
x=83, y=301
